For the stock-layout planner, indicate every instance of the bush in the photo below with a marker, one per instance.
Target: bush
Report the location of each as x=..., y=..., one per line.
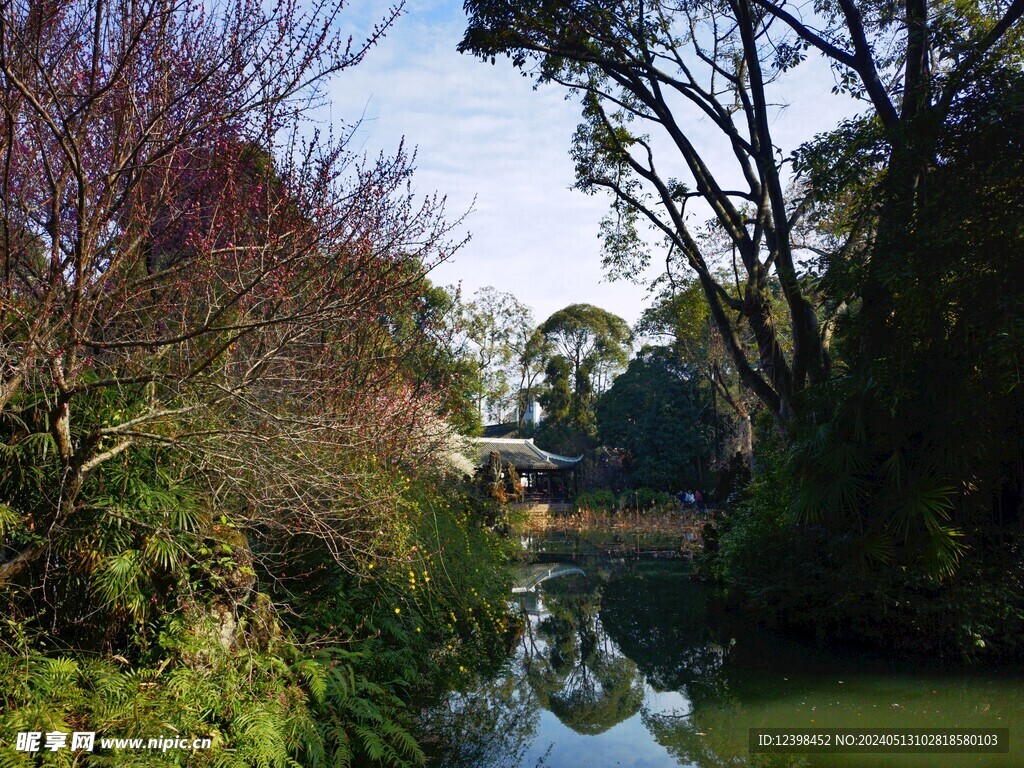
x=194, y=641
x=648, y=499
x=599, y=500
x=606, y=500
x=831, y=586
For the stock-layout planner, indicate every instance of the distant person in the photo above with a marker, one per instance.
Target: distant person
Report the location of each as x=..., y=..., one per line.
x=689, y=498
x=698, y=500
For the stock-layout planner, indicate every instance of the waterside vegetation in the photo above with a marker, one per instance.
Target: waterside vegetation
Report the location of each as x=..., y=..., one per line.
x=236, y=500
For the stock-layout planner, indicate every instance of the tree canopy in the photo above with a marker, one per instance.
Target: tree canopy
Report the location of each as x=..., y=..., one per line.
x=640, y=66
x=862, y=284
x=595, y=345
x=656, y=412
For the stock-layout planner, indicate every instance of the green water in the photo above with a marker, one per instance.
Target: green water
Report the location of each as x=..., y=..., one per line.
x=635, y=664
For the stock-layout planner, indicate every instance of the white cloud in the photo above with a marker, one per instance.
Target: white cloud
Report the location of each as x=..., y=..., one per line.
x=484, y=133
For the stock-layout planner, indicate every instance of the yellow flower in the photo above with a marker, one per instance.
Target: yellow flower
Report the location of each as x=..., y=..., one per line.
x=398, y=610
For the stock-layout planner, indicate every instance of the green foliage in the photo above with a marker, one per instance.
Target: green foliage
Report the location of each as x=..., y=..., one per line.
x=437, y=608
x=592, y=346
x=642, y=500
x=834, y=581
x=656, y=413
x=557, y=398
x=597, y=500
x=680, y=312
x=440, y=364
x=164, y=618
x=646, y=499
x=271, y=708
x=914, y=452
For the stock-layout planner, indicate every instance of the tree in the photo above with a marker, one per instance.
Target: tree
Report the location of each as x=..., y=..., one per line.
x=532, y=363
x=500, y=328
x=915, y=65
x=441, y=364
x=923, y=443
x=177, y=278
x=680, y=313
x=595, y=345
x=557, y=397
x=656, y=412
x=661, y=65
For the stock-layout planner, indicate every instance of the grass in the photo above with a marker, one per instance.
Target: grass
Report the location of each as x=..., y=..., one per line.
x=664, y=530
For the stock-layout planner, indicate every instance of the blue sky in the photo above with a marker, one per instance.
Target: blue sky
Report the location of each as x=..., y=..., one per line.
x=483, y=133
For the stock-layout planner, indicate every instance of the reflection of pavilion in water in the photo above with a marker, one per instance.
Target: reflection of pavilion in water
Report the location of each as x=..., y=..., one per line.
x=532, y=576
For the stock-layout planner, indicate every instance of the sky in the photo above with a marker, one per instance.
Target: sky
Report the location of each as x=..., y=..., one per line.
x=498, y=148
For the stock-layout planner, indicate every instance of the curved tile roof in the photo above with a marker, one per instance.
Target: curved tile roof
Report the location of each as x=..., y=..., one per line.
x=523, y=454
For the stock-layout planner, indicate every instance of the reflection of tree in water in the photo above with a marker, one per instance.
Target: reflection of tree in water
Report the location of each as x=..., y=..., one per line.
x=585, y=659
x=491, y=726
x=669, y=633
x=575, y=670
x=665, y=623
x=697, y=742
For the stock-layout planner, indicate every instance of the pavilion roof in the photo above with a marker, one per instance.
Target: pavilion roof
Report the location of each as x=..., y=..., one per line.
x=522, y=453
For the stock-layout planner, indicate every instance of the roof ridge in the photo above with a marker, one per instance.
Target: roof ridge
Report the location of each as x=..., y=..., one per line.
x=550, y=455
x=539, y=451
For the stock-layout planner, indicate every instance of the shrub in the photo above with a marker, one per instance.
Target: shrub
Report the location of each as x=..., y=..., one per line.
x=599, y=500
x=831, y=585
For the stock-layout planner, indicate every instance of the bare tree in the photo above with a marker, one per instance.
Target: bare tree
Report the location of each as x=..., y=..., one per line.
x=181, y=270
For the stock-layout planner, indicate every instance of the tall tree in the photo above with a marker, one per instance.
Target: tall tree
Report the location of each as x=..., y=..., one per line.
x=499, y=327
x=531, y=363
x=595, y=345
x=923, y=444
x=916, y=64
x=662, y=66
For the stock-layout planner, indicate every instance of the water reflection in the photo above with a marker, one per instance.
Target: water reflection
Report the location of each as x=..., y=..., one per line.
x=636, y=665
x=574, y=668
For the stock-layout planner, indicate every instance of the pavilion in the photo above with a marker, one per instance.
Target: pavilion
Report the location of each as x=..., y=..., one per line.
x=546, y=477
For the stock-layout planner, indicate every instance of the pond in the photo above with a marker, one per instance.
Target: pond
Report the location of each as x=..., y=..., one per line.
x=637, y=664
